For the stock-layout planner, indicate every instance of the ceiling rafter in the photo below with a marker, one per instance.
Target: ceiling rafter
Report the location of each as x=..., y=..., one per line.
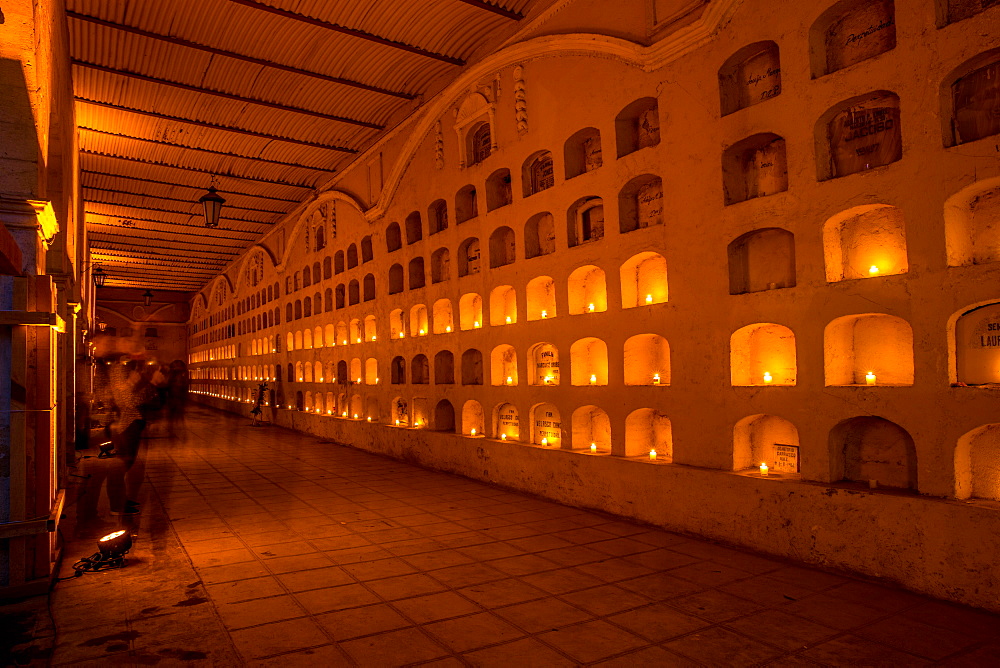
x=214, y=126
x=496, y=9
x=93, y=234
x=206, y=150
x=353, y=32
x=226, y=96
x=188, y=168
x=183, y=185
x=175, y=199
x=155, y=257
x=124, y=242
x=236, y=56
x=204, y=230
x=175, y=211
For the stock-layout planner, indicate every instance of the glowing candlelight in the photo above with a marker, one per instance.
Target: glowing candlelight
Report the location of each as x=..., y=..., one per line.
x=763, y=470
x=476, y=324
x=397, y=423
x=510, y=380
x=344, y=342
x=401, y=335
x=329, y=412
x=422, y=332
x=545, y=314
x=359, y=340
x=448, y=328
x=373, y=337
x=545, y=441
x=593, y=379
x=503, y=437
x=369, y=419
x=355, y=416
x=549, y=380
x=472, y=433
x=508, y=320
x=873, y=270
x=590, y=308
x=656, y=379
x=649, y=299
x=344, y=414
x=870, y=378
x=593, y=447
x=767, y=377
x=652, y=455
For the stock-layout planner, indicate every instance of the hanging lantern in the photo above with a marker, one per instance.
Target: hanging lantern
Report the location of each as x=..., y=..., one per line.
x=147, y=298
x=99, y=276
x=212, y=201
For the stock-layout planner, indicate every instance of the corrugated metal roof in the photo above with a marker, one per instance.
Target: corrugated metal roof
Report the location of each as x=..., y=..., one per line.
x=269, y=96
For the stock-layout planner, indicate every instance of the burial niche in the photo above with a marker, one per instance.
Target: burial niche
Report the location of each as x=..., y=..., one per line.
x=444, y=368
x=869, y=349
x=647, y=360
x=874, y=449
x=950, y=11
x=543, y=364
x=444, y=416
x=546, y=425
x=369, y=287
x=975, y=101
x=440, y=266
x=469, y=257
x=591, y=426
x=761, y=260
x=470, y=311
x=539, y=235
x=472, y=418
x=640, y=203
x=589, y=362
x=393, y=238
x=498, y=189
x=502, y=250
x=420, y=370
x=637, y=126
x=472, y=367
x=417, y=273
x=644, y=280
x=972, y=224
x=507, y=424
x=541, y=295
x=466, y=206
x=503, y=366
x=582, y=152
x=443, y=323
x=538, y=173
x=503, y=305
x=397, y=328
x=754, y=167
x=762, y=354
x=397, y=370
x=479, y=143
x=414, y=228
x=352, y=256
x=849, y=32
x=418, y=320
x=587, y=290
x=977, y=345
x=437, y=216
x=865, y=242
x=647, y=430
x=585, y=221
x=750, y=76
x=977, y=464
x=859, y=134
x=766, y=439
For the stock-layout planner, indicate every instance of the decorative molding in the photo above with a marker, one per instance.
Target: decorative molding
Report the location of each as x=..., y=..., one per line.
x=520, y=101
x=438, y=146
x=306, y=214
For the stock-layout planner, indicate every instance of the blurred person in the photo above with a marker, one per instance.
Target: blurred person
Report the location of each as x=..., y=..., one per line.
x=177, y=389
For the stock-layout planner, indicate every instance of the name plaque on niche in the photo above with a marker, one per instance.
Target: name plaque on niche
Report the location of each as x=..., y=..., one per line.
x=786, y=458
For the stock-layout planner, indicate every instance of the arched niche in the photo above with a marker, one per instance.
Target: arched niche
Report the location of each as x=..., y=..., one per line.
x=762, y=260
x=357, y=372
x=393, y=238
x=443, y=322
x=318, y=372
x=307, y=305
x=972, y=224
x=340, y=294
x=440, y=265
x=342, y=333
x=470, y=311
x=754, y=167
x=647, y=360
x=539, y=235
x=338, y=262
x=589, y=362
x=357, y=404
x=397, y=370
x=328, y=300
x=582, y=152
x=444, y=417
x=537, y=173
x=399, y=412
x=416, y=273
x=397, y=327
x=299, y=340
x=868, y=343
x=591, y=426
x=437, y=216
x=541, y=296
x=343, y=374
x=750, y=76
x=502, y=251
x=503, y=366
x=420, y=373
x=357, y=331
x=367, y=252
x=506, y=422
x=859, y=134
x=503, y=305
x=307, y=403
x=543, y=364
x=369, y=287
x=414, y=228
x=290, y=344
x=546, y=425
x=646, y=430
x=469, y=257
x=444, y=368
x=640, y=203
x=849, y=32
x=766, y=439
x=585, y=221
x=498, y=189
x=352, y=256
x=353, y=292
x=871, y=448
x=298, y=309
x=420, y=412
x=588, y=291
x=478, y=143
x=472, y=367
x=466, y=204
x=306, y=277
x=865, y=242
x=370, y=328
x=950, y=11
x=300, y=374
x=977, y=464
x=318, y=337
x=644, y=280
x=472, y=418
x=371, y=371
x=371, y=409
x=637, y=126
x=977, y=346
x=418, y=320
x=331, y=403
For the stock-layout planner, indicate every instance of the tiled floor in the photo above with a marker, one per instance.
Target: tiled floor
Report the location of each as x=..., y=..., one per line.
x=267, y=547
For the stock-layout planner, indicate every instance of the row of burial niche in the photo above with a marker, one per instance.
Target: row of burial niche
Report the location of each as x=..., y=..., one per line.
x=972, y=225
x=860, y=134
x=850, y=32
x=754, y=167
x=338, y=298
x=977, y=346
x=258, y=299
x=337, y=264
x=762, y=260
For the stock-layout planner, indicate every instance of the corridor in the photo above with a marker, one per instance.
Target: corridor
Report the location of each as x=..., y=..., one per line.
x=262, y=546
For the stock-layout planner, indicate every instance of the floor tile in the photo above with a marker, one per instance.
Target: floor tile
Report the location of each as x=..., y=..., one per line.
x=592, y=641
x=430, y=608
x=463, y=634
x=395, y=648
x=367, y=620
x=523, y=653
x=721, y=647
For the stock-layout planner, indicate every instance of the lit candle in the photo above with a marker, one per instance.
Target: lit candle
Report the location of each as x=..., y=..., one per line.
x=509, y=320
x=590, y=308
x=401, y=335
x=763, y=470
x=376, y=381
x=472, y=433
x=873, y=270
x=593, y=447
x=545, y=314
x=476, y=324
x=767, y=377
x=359, y=339
x=510, y=380
x=593, y=379
x=397, y=423
x=422, y=332
x=329, y=412
x=549, y=379
x=652, y=455
x=359, y=381
x=373, y=337
x=344, y=342
x=343, y=415
x=649, y=299
x=545, y=441
x=369, y=419
x=656, y=379
x=355, y=416
x=870, y=378
x=503, y=437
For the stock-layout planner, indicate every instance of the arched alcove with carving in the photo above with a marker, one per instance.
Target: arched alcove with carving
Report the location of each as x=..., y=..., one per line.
x=546, y=425
x=754, y=167
x=750, y=76
x=637, y=126
x=440, y=265
x=503, y=366
x=850, y=32
x=975, y=346
x=644, y=280
x=585, y=221
x=469, y=257
x=640, y=203
x=543, y=364
x=537, y=173
x=506, y=422
x=859, y=134
x=766, y=439
x=582, y=152
x=539, y=235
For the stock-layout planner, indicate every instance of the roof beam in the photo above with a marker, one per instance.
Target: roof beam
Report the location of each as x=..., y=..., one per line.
x=214, y=126
x=157, y=257
x=205, y=231
x=353, y=32
x=182, y=185
x=205, y=150
x=174, y=211
x=177, y=199
x=236, y=56
x=501, y=11
x=126, y=242
x=187, y=168
x=132, y=237
x=226, y=96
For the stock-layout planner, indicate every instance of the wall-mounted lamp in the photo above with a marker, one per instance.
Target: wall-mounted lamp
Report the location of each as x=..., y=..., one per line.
x=212, y=202
x=147, y=297
x=99, y=276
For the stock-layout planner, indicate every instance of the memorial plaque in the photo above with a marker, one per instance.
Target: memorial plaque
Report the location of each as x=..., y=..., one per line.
x=648, y=128
x=786, y=458
x=963, y=9
x=977, y=336
x=766, y=170
x=863, y=32
x=549, y=427
x=649, y=204
x=759, y=77
x=866, y=135
x=977, y=104
x=509, y=422
x=592, y=158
